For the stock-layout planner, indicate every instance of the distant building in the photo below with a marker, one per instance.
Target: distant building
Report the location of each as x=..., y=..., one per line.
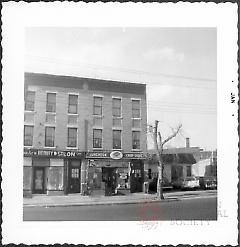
x=178, y=163
x=206, y=164
x=82, y=132
x=184, y=162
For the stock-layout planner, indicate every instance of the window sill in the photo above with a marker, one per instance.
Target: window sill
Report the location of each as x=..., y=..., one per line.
x=27, y=146
x=136, y=150
x=117, y=128
x=72, y=148
x=73, y=114
x=50, y=147
x=27, y=111
x=50, y=112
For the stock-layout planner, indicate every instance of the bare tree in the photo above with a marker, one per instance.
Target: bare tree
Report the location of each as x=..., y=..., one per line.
x=158, y=144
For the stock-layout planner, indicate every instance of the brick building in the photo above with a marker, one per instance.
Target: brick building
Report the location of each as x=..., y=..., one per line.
x=83, y=133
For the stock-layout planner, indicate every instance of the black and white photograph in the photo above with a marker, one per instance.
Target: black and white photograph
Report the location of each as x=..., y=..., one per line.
x=119, y=117
x=124, y=126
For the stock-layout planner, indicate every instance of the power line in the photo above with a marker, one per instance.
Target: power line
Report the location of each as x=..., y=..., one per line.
x=132, y=71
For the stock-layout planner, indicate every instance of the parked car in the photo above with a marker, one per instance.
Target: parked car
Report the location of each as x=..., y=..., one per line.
x=208, y=182
x=186, y=183
x=153, y=185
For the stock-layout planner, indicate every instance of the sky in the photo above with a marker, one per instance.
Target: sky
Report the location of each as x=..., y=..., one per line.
x=178, y=65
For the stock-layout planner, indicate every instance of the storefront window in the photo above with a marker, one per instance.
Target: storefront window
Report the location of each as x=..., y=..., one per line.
x=122, y=178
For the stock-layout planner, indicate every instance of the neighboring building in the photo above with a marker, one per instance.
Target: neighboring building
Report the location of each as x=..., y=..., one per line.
x=81, y=132
x=183, y=162
x=178, y=163
x=206, y=164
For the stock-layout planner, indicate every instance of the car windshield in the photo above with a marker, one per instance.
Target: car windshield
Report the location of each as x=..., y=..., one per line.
x=189, y=179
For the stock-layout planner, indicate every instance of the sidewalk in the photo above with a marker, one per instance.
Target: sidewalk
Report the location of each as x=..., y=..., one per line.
x=78, y=200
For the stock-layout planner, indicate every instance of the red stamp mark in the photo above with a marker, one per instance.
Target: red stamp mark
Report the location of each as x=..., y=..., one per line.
x=149, y=214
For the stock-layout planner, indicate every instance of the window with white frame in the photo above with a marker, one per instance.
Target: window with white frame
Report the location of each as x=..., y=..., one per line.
x=49, y=136
x=136, y=140
x=97, y=138
x=97, y=105
x=51, y=102
x=72, y=103
x=116, y=107
x=72, y=137
x=117, y=139
x=29, y=101
x=28, y=135
x=136, y=108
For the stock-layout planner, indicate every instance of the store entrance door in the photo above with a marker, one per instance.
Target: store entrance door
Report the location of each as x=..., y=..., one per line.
x=74, y=177
x=38, y=180
x=110, y=179
x=137, y=177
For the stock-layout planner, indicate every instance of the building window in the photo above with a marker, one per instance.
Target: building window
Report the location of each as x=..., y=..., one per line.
x=29, y=101
x=116, y=107
x=51, y=102
x=136, y=108
x=97, y=138
x=117, y=136
x=72, y=137
x=49, y=136
x=97, y=105
x=73, y=104
x=189, y=171
x=28, y=135
x=136, y=140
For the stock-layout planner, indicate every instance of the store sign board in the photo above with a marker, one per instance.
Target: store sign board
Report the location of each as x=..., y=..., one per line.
x=134, y=156
x=52, y=153
x=116, y=155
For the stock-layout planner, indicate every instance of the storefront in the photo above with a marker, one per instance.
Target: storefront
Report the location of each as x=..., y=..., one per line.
x=51, y=172
x=112, y=173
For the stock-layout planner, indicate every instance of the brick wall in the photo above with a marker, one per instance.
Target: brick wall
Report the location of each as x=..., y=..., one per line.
x=85, y=109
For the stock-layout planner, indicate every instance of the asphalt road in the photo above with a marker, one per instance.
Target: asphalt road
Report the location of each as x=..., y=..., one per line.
x=190, y=209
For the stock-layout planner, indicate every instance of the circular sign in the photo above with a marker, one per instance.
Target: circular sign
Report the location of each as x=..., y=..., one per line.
x=116, y=155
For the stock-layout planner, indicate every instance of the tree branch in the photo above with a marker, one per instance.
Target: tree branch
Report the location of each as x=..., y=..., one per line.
x=173, y=135
x=160, y=139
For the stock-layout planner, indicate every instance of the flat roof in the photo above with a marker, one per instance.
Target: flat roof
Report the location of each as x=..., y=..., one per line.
x=79, y=83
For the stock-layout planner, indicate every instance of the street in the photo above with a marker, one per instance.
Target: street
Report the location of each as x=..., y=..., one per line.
x=184, y=209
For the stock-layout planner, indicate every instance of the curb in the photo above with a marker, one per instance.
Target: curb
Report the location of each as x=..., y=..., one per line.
x=97, y=203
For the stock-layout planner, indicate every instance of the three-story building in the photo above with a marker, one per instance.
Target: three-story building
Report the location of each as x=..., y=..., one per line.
x=83, y=133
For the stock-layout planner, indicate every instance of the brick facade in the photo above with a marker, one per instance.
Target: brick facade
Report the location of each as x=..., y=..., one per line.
x=85, y=89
